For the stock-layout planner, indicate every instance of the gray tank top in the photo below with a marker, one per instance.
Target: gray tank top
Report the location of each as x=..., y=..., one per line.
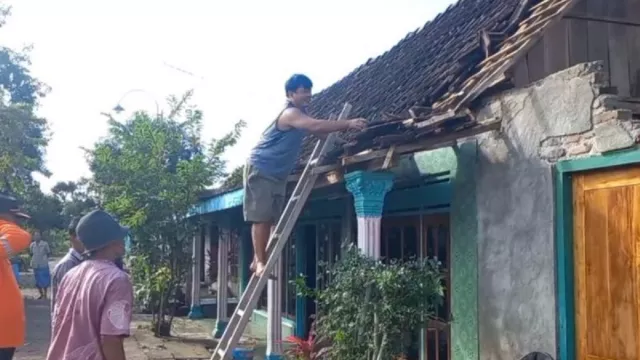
x=277, y=151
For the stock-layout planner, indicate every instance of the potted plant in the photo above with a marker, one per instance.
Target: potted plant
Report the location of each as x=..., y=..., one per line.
x=368, y=306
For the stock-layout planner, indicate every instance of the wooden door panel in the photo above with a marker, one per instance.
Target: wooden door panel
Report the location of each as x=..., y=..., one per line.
x=606, y=216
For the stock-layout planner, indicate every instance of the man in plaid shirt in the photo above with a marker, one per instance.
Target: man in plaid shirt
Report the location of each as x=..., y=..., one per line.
x=68, y=262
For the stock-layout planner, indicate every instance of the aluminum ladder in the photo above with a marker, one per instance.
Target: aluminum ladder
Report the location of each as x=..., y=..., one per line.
x=249, y=300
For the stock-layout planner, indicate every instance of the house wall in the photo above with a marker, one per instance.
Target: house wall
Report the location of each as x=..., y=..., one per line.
x=562, y=116
x=614, y=40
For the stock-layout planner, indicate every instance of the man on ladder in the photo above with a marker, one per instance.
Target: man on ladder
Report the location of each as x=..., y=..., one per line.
x=274, y=157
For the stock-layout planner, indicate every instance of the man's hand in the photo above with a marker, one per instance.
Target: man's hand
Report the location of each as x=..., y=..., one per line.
x=357, y=124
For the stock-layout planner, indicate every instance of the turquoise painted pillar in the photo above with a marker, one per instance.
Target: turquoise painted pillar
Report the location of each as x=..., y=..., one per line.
x=246, y=256
x=369, y=190
x=302, y=258
x=196, y=310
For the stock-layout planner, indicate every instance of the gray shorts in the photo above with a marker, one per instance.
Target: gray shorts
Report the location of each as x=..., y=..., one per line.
x=263, y=196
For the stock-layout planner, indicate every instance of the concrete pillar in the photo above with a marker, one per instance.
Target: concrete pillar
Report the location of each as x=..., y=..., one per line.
x=196, y=263
x=274, y=314
x=246, y=256
x=208, y=235
x=302, y=258
x=224, y=237
x=369, y=190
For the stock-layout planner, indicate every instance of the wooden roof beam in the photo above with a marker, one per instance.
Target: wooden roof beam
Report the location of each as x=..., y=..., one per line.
x=376, y=159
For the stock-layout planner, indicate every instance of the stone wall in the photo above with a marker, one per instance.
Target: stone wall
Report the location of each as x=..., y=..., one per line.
x=614, y=124
x=562, y=116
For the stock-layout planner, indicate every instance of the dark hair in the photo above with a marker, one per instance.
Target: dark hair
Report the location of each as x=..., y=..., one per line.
x=297, y=81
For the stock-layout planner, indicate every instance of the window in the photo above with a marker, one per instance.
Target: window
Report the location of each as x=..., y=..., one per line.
x=324, y=242
x=328, y=242
x=411, y=236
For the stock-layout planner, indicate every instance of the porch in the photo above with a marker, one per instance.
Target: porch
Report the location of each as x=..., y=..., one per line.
x=414, y=218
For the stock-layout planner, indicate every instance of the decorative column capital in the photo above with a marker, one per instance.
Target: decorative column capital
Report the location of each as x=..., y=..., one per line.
x=369, y=189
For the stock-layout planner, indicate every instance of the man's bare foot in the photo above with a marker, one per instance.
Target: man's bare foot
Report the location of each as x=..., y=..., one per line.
x=258, y=269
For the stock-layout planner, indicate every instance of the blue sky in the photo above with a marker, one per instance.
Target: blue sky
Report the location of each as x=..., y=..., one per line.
x=92, y=53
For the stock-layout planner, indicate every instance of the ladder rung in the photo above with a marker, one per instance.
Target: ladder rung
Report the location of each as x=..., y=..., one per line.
x=313, y=162
x=240, y=312
x=221, y=352
x=294, y=198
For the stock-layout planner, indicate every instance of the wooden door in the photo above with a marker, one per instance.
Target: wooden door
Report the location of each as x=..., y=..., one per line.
x=607, y=259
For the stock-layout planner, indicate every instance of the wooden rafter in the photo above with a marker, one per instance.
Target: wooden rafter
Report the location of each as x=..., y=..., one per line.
x=493, y=68
x=428, y=144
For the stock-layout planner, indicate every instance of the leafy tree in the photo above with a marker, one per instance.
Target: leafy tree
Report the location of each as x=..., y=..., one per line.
x=23, y=136
x=17, y=85
x=235, y=178
x=76, y=196
x=23, y=139
x=149, y=172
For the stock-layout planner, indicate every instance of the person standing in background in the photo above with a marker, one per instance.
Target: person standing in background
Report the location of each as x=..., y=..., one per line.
x=13, y=239
x=40, y=252
x=72, y=259
x=93, y=309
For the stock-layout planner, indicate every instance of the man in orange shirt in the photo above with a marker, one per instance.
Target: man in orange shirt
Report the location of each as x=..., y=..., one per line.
x=13, y=239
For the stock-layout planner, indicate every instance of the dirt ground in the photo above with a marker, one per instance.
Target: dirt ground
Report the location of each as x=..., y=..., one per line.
x=39, y=331
x=191, y=340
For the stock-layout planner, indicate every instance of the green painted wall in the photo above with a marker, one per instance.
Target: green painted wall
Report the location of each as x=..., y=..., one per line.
x=426, y=163
x=259, y=325
x=464, y=255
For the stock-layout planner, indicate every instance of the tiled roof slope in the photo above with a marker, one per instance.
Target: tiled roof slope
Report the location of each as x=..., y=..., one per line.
x=428, y=69
x=421, y=68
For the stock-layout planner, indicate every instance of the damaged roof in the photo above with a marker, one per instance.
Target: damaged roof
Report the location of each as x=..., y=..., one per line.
x=421, y=87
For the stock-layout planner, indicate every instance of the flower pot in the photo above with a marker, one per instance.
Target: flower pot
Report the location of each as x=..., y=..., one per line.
x=243, y=354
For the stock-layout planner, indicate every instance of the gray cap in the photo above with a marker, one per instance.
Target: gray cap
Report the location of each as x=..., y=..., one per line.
x=97, y=229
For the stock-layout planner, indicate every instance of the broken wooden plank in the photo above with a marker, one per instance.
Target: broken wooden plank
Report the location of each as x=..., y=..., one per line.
x=372, y=132
x=388, y=157
x=499, y=71
x=450, y=125
x=430, y=144
x=436, y=119
x=394, y=139
x=325, y=168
